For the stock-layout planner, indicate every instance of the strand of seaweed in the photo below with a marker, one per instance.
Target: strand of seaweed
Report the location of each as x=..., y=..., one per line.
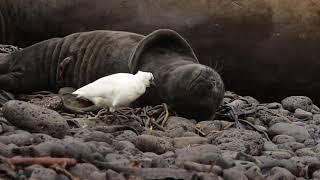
x=152, y=117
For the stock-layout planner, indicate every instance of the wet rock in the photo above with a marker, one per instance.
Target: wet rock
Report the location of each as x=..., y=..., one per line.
x=269, y=146
x=254, y=173
x=316, y=118
x=305, y=152
x=298, y=132
x=246, y=141
x=96, y=175
x=38, y=138
x=83, y=170
x=71, y=148
x=281, y=154
x=126, y=147
x=19, y=139
x=243, y=165
x=203, y=154
x=127, y=135
x=294, y=102
x=112, y=175
x=234, y=173
x=292, y=146
x=50, y=102
x=43, y=173
x=305, y=160
x=92, y=135
x=274, y=105
x=175, y=122
x=302, y=114
x=282, y=138
x=100, y=147
x=35, y=118
x=280, y=173
x=6, y=150
x=181, y=142
x=313, y=130
x=148, y=143
x=275, y=120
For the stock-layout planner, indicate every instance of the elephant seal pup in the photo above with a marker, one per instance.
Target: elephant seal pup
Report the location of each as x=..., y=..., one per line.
x=191, y=89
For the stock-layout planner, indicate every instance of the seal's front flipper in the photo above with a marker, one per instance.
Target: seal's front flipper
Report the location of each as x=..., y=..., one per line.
x=4, y=64
x=10, y=81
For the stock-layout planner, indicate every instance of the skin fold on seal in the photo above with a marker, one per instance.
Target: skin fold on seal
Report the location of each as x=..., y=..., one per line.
x=191, y=89
x=265, y=48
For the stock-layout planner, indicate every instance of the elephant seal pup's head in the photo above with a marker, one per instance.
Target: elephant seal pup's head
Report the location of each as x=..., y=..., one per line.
x=189, y=88
x=193, y=90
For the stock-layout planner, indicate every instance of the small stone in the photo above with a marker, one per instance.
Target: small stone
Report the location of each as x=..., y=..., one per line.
x=254, y=173
x=292, y=146
x=234, y=173
x=127, y=135
x=83, y=170
x=274, y=105
x=117, y=159
x=282, y=138
x=96, y=175
x=269, y=146
x=305, y=152
x=35, y=118
x=294, y=102
x=148, y=143
x=43, y=173
x=174, y=122
x=181, y=142
x=281, y=173
x=281, y=154
x=302, y=114
x=276, y=120
x=298, y=132
x=205, y=154
x=92, y=135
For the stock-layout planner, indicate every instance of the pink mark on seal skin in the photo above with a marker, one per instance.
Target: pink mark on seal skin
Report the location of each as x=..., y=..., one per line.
x=62, y=67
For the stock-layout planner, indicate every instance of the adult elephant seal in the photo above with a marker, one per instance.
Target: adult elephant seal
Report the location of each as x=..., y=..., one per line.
x=191, y=89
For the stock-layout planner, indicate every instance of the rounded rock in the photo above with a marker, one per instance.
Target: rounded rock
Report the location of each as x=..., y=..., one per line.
x=148, y=143
x=35, y=118
x=246, y=141
x=292, y=103
x=298, y=132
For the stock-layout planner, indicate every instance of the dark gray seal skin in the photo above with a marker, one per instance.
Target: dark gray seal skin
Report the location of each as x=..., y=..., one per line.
x=268, y=46
x=191, y=89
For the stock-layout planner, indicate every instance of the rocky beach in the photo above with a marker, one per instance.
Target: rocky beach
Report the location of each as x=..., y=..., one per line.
x=49, y=136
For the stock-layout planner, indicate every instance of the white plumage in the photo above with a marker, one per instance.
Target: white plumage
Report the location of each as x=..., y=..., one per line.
x=116, y=90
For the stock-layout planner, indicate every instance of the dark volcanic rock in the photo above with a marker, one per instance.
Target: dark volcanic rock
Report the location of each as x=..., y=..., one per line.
x=205, y=154
x=35, y=118
x=246, y=141
x=294, y=102
x=300, y=133
x=281, y=173
x=148, y=143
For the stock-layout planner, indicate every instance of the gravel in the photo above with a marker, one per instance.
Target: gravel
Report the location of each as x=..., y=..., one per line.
x=281, y=141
